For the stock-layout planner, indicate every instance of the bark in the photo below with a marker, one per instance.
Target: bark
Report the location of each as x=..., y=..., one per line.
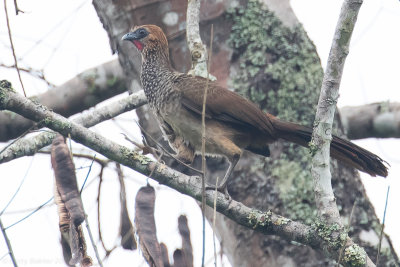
x=29, y=146
x=322, y=133
x=80, y=93
x=380, y=120
x=277, y=67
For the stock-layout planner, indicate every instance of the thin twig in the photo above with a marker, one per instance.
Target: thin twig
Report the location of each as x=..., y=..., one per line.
x=96, y=252
x=132, y=141
x=131, y=230
x=10, y=250
x=203, y=149
x=145, y=149
x=125, y=131
x=382, y=228
x=101, y=162
x=5, y=255
x=39, y=74
x=221, y=253
x=19, y=187
x=30, y=214
x=55, y=27
x=214, y=219
x=88, y=226
x=166, y=151
x=17, y=10
x=87, y=176
x=58, y=45
x=12, y=46
x=44, y=206
x=108, y=251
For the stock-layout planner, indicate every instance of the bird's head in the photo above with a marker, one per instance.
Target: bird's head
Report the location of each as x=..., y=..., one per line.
x=147, y=38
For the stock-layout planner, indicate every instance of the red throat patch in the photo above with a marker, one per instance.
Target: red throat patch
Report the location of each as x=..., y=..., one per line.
x=138, y=45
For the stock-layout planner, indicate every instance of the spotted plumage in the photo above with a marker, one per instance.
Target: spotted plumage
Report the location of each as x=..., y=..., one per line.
x=233, y=124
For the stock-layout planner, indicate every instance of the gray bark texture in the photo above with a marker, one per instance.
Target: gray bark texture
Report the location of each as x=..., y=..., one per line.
x=380, y=120
x=268, y=58
x=78, y=94
x=322, y=132
x=29, y=146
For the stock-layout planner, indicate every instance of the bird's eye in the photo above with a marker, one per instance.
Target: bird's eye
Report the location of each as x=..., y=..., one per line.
x=141, y=33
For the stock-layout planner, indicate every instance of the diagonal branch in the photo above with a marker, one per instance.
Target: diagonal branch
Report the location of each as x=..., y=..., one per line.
x=12, y=44
x=87, y=89
x=317, y=236
x=27, y=147
x=322, y=134
x=10, y=250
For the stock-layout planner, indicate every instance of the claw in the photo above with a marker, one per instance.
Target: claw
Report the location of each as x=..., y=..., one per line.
x=222, y=189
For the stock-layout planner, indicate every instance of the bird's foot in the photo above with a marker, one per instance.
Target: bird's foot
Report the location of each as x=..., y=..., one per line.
x=222, y=189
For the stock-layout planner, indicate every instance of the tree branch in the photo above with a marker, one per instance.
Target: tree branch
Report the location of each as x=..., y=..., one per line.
x=380, y=120
x=322, y=134
x=82, y=92
x=27, y=147
x=196, y=46
x=8, y=243
x=38, y=74
x=197, y=49
x=12, y=45
x=317, y=236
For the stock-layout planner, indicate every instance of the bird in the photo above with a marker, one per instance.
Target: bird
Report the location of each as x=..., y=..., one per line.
x=233, y=123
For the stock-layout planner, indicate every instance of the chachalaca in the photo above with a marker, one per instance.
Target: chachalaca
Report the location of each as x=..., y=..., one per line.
x=233, y=123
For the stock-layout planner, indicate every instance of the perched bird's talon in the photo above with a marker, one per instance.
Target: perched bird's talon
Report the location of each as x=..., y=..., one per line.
x=227, y=196
x=222, y=189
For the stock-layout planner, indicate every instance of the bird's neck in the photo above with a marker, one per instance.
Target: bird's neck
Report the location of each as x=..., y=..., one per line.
x=157, y=55
x=156, y=74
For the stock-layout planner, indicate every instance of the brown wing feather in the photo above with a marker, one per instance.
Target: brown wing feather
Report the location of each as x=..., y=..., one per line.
x=221, y=104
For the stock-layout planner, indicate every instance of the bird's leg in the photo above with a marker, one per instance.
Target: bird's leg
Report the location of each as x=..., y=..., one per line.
x=184, y=151
x=222, y=187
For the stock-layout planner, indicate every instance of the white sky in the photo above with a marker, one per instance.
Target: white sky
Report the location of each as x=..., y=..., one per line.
x=79, y=42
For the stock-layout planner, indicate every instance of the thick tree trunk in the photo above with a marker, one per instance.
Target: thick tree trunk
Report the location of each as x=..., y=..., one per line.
x=270, y=59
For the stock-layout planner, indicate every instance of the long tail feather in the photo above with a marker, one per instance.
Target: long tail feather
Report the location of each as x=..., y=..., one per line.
x=341, y=149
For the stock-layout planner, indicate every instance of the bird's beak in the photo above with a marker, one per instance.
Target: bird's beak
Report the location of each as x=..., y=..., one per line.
x=130, y=36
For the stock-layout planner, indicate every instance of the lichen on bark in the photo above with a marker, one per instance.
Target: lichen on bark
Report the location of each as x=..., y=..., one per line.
x=278, y=65
x=4, y=84
x=277, y=68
